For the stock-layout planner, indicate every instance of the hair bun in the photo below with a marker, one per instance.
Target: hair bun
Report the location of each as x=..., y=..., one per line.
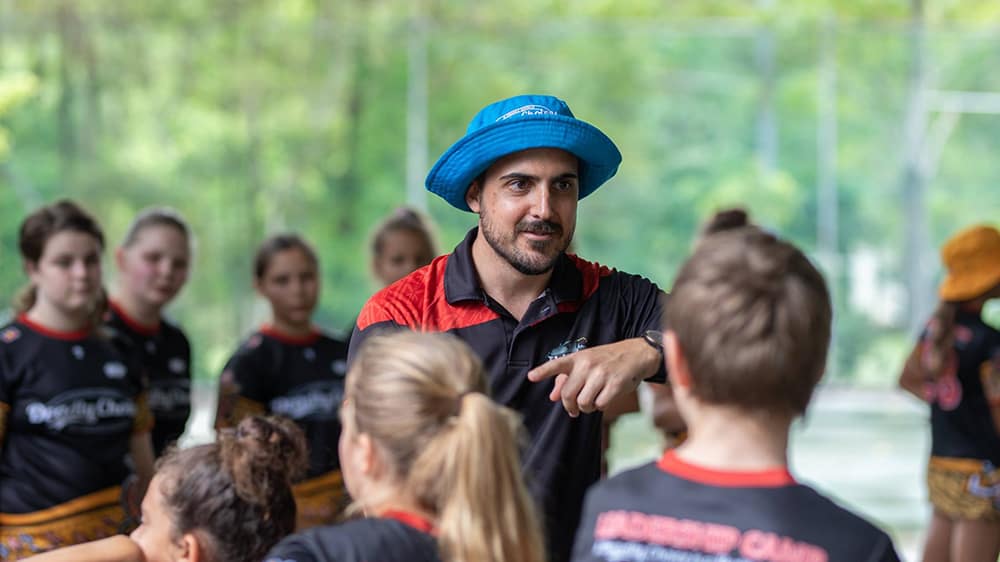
x=263, y=453
x=727, y=219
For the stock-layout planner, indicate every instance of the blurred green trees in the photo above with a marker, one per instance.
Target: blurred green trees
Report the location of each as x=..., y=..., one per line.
x=254, y=116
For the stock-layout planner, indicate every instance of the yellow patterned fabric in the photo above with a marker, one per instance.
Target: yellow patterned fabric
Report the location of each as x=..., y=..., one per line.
x=83, y=519
x=319, y=500
x=964, y=488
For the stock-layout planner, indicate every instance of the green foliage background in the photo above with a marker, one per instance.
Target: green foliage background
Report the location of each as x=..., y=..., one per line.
x=252, y=117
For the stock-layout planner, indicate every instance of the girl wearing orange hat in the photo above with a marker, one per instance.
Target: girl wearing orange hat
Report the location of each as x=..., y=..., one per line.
x=955, y=367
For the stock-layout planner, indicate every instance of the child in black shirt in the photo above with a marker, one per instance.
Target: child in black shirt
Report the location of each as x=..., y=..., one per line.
x=748, y=325
x=955, y=368
x=72, y=408
x=429, y=459
x=291, y=368
x=153, y=263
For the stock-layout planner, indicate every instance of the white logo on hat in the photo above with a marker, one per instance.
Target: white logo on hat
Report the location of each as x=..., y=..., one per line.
x=533, y=109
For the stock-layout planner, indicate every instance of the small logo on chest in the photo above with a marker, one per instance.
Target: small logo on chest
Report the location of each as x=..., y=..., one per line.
x=114, y=370
x=177, y=365
x=77, y=351
x=10, y=334
x=339, y=367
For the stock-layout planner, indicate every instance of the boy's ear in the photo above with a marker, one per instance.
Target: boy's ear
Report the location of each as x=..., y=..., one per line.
x=190, y=549
x=677, y=365
x=119, y=257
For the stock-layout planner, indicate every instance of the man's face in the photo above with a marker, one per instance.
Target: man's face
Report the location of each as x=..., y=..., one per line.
x=527, y=207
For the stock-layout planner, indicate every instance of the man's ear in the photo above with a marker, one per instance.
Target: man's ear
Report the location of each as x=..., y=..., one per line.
x=677, y=364
x=472, y=196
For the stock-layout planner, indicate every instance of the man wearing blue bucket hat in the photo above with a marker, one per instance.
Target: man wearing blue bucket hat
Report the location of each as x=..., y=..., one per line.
x=532, y=311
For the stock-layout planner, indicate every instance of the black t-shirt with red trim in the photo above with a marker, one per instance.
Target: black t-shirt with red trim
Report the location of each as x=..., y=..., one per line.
x=393, y=537
x=673, y=511
x=961, y=423
x=585, y=305
x=164, y=353
x=301, y=378
x=72, y=404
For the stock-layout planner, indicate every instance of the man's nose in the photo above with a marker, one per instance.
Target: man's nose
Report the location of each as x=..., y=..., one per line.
x=542, y=204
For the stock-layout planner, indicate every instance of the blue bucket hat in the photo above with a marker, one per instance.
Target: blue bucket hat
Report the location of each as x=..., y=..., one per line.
x=516, y=124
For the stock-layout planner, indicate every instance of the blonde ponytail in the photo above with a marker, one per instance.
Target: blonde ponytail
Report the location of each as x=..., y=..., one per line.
x=422, y=399
x=471, y=475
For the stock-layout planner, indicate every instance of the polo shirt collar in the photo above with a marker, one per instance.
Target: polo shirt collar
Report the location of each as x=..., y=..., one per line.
x=462, y=284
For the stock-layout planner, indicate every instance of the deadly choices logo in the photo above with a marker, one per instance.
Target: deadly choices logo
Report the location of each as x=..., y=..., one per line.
x=316, y=401
x=85, y=411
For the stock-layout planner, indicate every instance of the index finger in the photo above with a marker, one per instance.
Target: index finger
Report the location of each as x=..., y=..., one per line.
x=550, y=369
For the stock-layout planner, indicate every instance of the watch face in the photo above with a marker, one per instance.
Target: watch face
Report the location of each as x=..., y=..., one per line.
x=654, y=338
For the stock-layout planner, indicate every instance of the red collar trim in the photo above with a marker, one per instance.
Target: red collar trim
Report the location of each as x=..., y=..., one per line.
x=418, y=522
x=308, y=339
x=51, y=333
x=768, y=478
x=137, y=327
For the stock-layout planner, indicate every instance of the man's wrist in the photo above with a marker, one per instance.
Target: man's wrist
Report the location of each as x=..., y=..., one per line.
x=654, y=341
x=654, y=338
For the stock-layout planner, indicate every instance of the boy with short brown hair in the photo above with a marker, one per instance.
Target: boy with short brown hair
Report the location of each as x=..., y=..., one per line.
x=748, y=327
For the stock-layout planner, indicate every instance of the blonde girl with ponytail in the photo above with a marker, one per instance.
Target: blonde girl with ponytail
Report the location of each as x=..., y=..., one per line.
x=430, y=460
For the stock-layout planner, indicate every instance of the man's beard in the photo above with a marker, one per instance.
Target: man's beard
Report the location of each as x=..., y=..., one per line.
x=524, y=262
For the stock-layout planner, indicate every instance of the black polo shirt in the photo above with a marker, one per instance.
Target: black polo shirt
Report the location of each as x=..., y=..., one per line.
x=583, y=300
x=673, y=511
x=301, y=378
x=71, y=403
x=393, y=537
x=164, y=353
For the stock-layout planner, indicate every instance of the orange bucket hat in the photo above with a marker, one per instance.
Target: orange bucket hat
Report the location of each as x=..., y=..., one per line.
x=972, y=257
